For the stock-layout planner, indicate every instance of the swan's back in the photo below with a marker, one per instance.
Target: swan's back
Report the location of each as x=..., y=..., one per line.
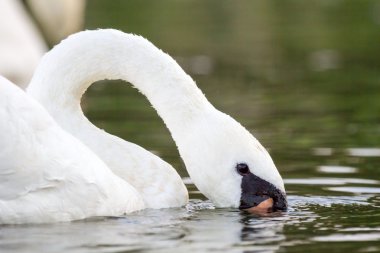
x=47, y=175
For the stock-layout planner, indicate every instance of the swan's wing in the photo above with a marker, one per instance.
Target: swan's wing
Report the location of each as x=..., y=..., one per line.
x=20, y=147
x=48, y=175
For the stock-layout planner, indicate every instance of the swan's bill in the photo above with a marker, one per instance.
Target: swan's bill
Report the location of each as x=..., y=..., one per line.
x=264, y=207
x=259, y=195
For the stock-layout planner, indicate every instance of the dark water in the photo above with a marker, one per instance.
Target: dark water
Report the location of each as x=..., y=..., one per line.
x=303, y=76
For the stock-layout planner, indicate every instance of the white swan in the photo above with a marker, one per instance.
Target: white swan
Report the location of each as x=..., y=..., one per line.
x=226, y=163
x=22, y=44
x=57, y=18
x=47, y=175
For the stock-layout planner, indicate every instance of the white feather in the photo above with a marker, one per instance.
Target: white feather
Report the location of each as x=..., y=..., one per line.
x=47, y=175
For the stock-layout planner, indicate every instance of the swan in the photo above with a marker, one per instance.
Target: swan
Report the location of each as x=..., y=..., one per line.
x=225, y=162
x=47, y=175
x=22, y=44
x=59, y=18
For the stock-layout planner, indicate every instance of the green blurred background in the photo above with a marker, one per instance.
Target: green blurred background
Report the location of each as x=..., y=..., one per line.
x=300, y=75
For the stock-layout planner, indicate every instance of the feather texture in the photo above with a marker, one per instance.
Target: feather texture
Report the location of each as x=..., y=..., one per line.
x=47, y=175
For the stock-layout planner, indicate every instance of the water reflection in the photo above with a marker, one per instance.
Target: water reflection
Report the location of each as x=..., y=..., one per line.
x=357, y=190
x=194, y=228
x=358, y=152
x=322, y=151
x=356, y=237
x=329, y=181
x=197, y=64
x=325, y=59
x=261, y=234
x=364, y=152
x=337, y=169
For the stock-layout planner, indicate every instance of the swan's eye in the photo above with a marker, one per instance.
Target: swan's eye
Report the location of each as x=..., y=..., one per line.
x=242, y=169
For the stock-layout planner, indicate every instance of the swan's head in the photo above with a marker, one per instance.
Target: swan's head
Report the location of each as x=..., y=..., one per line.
x=230, y=167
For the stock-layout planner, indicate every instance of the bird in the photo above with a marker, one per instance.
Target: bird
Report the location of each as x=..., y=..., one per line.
x=46, y=174
x=23, y=42
x=225, y=162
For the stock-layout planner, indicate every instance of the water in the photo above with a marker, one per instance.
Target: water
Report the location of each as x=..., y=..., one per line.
x=313, y=223
x=303, y=77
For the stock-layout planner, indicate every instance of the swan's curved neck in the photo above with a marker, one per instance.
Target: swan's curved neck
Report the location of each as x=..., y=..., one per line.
x=70, y=68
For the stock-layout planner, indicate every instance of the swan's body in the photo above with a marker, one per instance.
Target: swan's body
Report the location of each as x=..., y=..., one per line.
x=47, y=175
x=211, y=143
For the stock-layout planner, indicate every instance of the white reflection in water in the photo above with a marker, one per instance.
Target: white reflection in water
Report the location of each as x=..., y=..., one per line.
x=364, y=152
x=353, y=229
x=336, y=169
x=197, y=64
x=329, y=181
x=352, y=189
x=326, y=201
x=359, y=237
x=322, y=151
x=187, y=181
x=325, y=59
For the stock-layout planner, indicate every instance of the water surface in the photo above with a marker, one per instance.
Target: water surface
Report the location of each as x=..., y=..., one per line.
x=303, y=77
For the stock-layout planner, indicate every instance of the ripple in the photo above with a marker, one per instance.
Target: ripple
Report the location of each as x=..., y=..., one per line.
x=354, y=229
x=326, y=201
x=329, y=181
x=352, y=189
x=336, y=169
x=196, y=204
x=364, y=152
x=322, y=151
x=359, y=237
x=187, y=181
